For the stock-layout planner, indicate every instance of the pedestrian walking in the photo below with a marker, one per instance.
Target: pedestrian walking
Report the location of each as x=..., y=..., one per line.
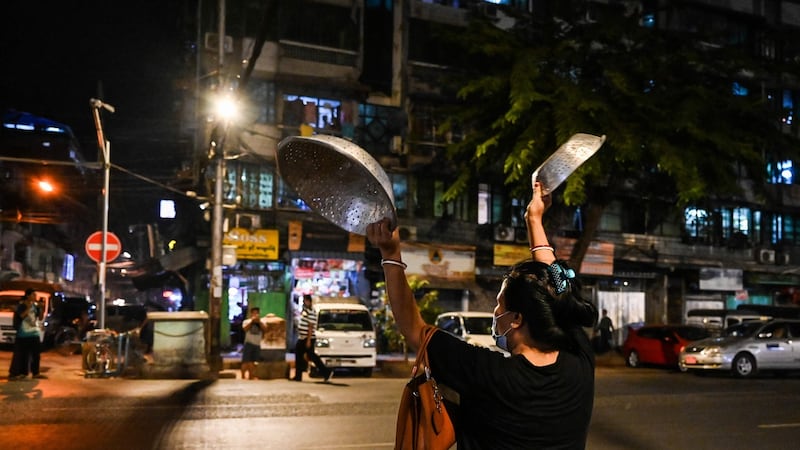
x=542, y=395
x=304, y=347
x=27, y=344
x=604, y=332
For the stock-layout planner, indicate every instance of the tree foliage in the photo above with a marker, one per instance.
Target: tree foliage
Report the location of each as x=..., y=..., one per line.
x=428, y=309
x=663, y=99
x=676, y=134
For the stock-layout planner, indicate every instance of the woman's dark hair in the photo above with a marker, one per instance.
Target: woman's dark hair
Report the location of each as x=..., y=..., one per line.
x=548, y=297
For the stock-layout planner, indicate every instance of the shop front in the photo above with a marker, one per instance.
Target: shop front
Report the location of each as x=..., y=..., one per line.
x=323, y=261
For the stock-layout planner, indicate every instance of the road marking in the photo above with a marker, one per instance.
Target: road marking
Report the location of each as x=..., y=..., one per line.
x=375, y=445
x=780, y=425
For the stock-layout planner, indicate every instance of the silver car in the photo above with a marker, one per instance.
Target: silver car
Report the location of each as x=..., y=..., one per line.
x=746, y=348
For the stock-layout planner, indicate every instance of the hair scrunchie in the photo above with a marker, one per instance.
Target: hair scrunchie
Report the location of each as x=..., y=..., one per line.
x=560, y=276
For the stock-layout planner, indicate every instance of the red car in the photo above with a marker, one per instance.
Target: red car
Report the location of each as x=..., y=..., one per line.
x=659, y=344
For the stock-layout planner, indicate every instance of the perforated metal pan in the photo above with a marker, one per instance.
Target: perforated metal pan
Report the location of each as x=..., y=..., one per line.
x=338, y=180
x=560, y=165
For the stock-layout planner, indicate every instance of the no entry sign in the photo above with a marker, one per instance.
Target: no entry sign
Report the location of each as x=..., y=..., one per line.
x=94, y=246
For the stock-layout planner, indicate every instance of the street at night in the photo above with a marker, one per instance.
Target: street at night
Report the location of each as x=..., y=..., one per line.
x=210, y=208
x=649, y=408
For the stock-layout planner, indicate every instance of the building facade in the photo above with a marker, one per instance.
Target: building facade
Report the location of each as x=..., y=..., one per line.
x=366, y=71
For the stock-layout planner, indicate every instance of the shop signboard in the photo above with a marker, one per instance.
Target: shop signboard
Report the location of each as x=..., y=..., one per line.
x=260, y=244
x=509, y=254
x=440, y=262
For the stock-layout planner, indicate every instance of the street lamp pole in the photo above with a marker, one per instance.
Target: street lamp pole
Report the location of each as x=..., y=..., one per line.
x=218, y=149
x=105, y=148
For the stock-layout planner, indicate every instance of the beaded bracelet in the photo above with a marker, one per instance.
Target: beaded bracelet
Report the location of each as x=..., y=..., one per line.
x=394, y=263
x=542, y=247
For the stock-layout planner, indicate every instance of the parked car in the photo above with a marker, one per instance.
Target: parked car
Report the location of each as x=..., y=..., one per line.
x=659, y=344
x=70, y=317
x=717, y=320
x=747, y=348
x=474, y=327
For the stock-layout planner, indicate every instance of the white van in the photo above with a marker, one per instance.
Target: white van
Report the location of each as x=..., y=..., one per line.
x=345, y=334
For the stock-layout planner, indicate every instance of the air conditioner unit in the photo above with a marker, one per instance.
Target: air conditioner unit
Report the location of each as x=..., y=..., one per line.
x=211, y=42
x=503, y=233
x=766, y=256
x=407, y=233
x=248, y=221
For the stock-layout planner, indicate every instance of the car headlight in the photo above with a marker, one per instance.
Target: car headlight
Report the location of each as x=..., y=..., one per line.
x=323, y=343
x=369, y=343
x=712, y=351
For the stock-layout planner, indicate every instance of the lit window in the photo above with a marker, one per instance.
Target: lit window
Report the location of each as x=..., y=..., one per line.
x=399, y=190
x=484, y=204
x=166, y=209
x=739, y=90
x=697, y=222
x=781, y=172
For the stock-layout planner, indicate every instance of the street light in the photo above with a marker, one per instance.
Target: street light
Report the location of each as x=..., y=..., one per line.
x=226, y=111
x=105, y=150
x=45, y=186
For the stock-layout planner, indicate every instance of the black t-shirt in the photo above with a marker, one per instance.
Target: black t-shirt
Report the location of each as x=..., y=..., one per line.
x=508, y=403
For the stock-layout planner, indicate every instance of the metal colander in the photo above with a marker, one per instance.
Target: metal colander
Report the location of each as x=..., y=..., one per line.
x=560, y=165
x=338, y=180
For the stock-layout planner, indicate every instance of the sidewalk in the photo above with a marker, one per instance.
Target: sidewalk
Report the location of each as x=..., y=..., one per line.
x=65, y=365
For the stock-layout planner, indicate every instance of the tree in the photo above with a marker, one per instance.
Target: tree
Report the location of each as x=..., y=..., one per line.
x=428, y=309
x=676, y=134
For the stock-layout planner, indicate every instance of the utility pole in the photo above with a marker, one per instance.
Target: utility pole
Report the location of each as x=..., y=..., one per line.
x=218, y=153
x=105, y=148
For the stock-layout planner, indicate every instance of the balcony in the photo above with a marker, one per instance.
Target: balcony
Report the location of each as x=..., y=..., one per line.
x=288, y=59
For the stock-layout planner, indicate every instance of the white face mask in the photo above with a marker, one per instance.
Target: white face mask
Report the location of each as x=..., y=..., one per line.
x=500, y=339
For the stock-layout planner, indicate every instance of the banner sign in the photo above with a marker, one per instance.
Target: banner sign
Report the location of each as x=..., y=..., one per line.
x=259, y=244
x=439, y=262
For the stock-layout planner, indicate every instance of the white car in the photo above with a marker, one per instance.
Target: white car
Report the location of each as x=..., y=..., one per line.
x=746, y=348
x=474, y=327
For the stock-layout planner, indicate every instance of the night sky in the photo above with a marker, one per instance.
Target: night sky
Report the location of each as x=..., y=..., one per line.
x=59, y=54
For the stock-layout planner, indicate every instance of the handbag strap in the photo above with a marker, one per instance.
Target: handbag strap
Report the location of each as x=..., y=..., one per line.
x=422, y=352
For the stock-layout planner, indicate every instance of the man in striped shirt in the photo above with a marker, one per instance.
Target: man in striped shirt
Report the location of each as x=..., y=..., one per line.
x=305, y=343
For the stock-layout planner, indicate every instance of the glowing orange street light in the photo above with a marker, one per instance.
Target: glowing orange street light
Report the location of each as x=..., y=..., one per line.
x=46, y=186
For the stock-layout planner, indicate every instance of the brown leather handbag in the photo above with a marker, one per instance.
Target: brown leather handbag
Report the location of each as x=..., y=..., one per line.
x=422, y=420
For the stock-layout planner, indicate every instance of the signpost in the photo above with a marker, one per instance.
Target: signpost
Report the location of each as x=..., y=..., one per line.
x=94, y=246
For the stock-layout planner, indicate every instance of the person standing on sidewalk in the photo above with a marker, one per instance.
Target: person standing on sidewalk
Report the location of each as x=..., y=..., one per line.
x=254, y=331
x=27, y=344
x=305, y=343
